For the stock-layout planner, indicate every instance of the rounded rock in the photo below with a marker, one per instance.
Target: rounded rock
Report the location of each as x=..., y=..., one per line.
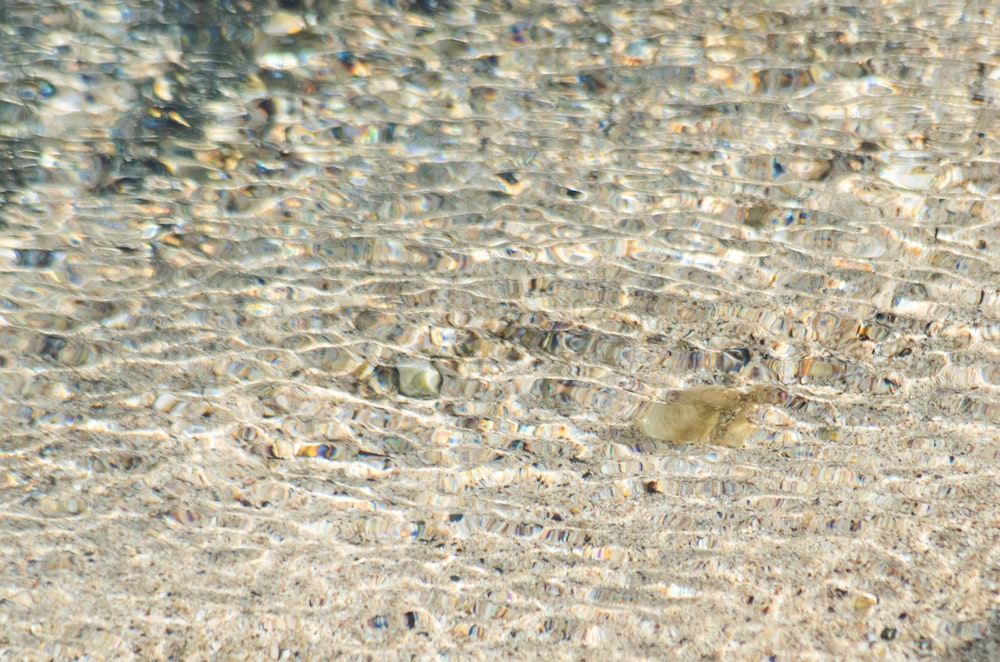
x=700, y=415
x=418, y=379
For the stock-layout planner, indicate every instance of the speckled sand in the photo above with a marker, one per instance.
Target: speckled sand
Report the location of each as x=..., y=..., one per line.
x=332, y=330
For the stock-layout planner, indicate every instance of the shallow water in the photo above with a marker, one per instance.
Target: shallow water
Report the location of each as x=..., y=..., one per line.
x=223, y=230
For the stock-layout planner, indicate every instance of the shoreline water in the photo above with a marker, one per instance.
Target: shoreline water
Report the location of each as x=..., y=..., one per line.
x=330, y=330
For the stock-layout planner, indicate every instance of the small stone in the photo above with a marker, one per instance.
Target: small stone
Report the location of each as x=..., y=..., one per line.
x=280, y=450
x=759, y=216
x=418, y=379
x=864, y=601
x=808, y=169
x=701, y=415
x=283, y=23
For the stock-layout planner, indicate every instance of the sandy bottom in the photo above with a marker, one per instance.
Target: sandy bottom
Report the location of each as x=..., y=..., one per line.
x=369, y=331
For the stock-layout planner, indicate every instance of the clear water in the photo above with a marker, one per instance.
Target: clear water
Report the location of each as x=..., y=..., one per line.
x=222, y=230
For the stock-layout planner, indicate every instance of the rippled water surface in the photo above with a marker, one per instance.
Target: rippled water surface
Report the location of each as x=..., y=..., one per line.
x=337, y=329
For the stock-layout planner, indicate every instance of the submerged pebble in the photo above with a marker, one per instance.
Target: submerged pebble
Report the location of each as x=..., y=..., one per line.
x=418, y=379
x=701, y=415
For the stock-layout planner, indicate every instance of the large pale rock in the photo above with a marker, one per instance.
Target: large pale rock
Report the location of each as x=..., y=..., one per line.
x=701, y=415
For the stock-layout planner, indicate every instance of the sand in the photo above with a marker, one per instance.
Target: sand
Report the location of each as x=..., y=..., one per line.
x=327, y=330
